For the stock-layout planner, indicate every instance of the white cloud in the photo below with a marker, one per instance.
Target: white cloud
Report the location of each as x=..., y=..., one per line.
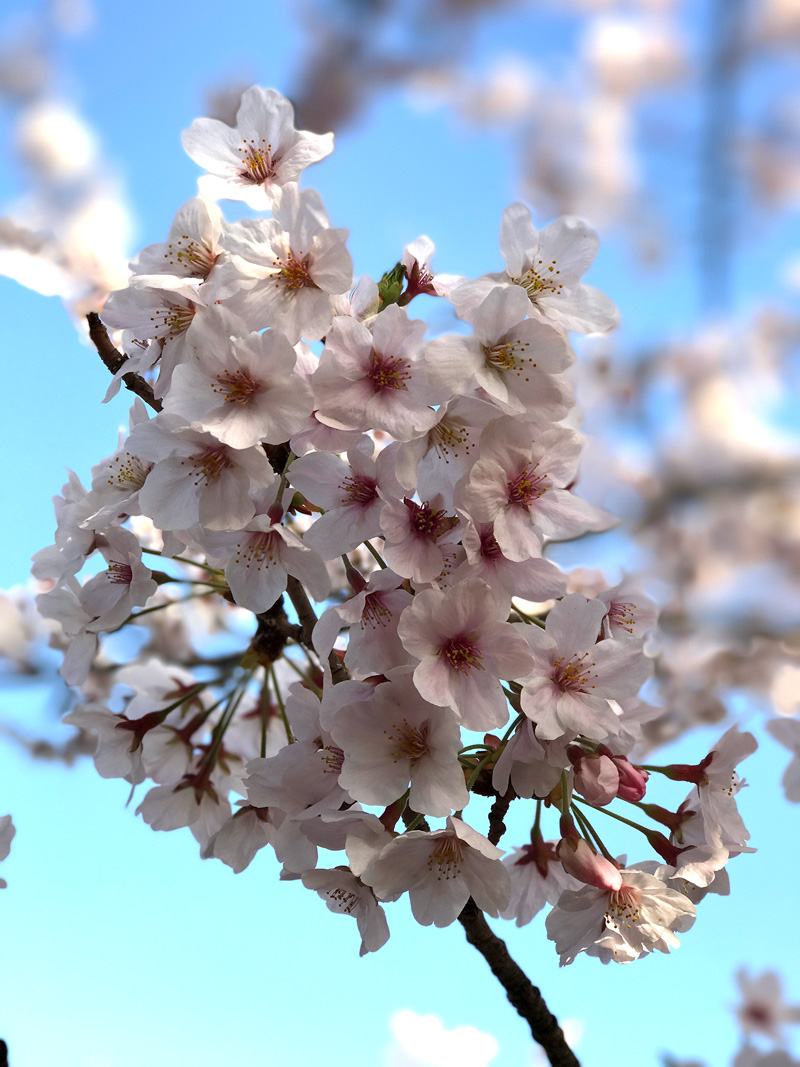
x=424, y=1041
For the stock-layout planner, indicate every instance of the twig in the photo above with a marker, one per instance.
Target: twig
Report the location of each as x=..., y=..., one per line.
x=114, y=359
x=308, y=620
x=521, y=992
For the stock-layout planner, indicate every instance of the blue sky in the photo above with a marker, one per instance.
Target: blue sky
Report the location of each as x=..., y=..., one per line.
x=124, y=948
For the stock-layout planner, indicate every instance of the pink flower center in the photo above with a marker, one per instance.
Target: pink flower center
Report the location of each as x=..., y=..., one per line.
x=445, y=858
x=540, y=279
x=463, y=655
x=527, y=486
x=410, y=742
x=259, y=165
x=375, y=612
x=573, y=674
x=622, y=614
x=509, y=356
x=208, y=466
x=489, y=546
x=333, y=758
x=119, y=573
x=174, y=320
x=236, y=387
x=428, y=523
x=191, y=254
x=259, y=550
x=387, y=372
x=293, y=272
x=624, y=906
x=359, y=490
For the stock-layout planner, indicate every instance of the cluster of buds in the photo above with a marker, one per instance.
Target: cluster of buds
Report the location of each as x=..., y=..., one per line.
x=309, y=443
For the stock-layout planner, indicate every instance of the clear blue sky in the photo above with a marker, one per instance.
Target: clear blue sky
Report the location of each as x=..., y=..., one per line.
x=119, y=946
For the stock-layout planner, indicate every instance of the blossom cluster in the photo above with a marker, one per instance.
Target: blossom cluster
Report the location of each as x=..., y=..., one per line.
x=309, y=442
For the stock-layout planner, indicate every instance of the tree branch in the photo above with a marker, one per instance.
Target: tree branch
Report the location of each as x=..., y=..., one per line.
x=308, y=620
x=523, y=995
x=114, y=359
x=498, y=812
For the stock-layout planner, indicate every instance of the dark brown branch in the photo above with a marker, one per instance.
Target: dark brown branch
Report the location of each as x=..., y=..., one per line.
x=496, y=815
x=521, y=992
x=114, y=359
x=308, y=620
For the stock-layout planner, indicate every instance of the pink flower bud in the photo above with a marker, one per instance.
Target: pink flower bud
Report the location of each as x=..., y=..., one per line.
x=580, y=860
x=632, y=781
x=596, y=779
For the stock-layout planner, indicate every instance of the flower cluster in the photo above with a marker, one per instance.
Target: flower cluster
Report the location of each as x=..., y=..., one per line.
x=309, y=441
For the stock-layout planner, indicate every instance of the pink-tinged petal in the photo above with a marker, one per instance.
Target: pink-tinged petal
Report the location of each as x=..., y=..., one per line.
x=225, y=503
x=584, y=309
x=433, y=678
x=574, y=622
x=572, y=244
x=519, y=238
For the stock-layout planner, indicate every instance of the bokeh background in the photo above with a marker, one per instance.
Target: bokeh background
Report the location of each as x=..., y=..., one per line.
x=674, y=129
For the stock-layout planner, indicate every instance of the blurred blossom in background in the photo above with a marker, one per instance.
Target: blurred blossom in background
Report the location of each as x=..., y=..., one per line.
x=674, y=129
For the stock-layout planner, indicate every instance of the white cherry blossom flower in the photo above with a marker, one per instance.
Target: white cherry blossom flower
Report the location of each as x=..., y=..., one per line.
x=440, y=871
x=261, y=153
x=517, y=361
x=196, y=478
x=258, y=559
x=284, y=272
x=519, y=484
x=375, y=379
x=537, y=878
x=619, y=924
x=374, y=646
x=416, y=535
x=349, y=493
x=347, y=895
x=241, y=389
x=575, y=675
x=193, y=244
x=465, y=647
x=547, y=265
x=396, y=740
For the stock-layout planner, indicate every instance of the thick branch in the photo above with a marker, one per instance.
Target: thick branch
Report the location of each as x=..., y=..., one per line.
x=523, y=995
x=114, y=359
x=308, y=620
x=497, y=814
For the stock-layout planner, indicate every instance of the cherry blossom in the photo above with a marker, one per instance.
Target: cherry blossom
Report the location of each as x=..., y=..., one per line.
x=347, y=895
x=537, y=878
x=547, y=265
x=464, y=647
x=241, y=389
x=575, y=675
x=261, y=153
x=196, y=478
x=620, y=924
x=399, y=741
x=375, y=379
x=440, y=871
x=284, y=271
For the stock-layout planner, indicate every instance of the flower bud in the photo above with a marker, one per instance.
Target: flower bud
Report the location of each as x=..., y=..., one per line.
x=596, y=778
x=580, y=860
x=632, y=781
